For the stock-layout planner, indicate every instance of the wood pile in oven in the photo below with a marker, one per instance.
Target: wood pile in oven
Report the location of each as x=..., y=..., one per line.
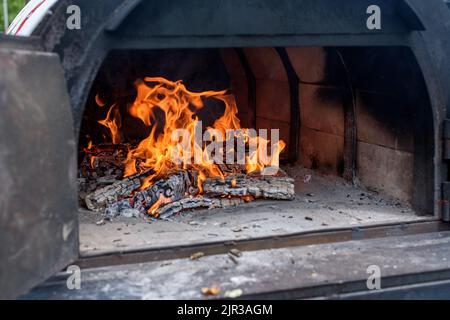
x=102, y=187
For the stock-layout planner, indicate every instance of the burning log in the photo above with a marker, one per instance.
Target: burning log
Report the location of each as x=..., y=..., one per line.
x=101, y=165
x=161, y=152
x=267, y=187
x=100, y=198
x=232, y=191
x=230, y=169
x=100, y=159
x=172, y=208
x=173, y=194
x=173, y=188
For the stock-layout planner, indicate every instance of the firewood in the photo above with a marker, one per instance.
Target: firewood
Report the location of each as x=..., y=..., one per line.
x=100, y=198
x=102, y=157
x=172, y=208
x=267, y=187
x=173, y=188
x=101, y=165
x=232, y=168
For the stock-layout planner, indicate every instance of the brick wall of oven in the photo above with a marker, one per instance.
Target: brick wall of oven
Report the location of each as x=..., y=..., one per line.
x=385, y=145
x=271, y=86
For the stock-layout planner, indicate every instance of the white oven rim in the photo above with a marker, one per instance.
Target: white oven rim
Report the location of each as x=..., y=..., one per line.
x=29, y=17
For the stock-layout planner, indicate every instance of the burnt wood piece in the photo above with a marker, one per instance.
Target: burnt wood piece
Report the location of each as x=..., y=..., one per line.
x=170, y=209
x=104, y=155
x=173, y=188
x=232, y=168
x=100, y=198
x=266, y=187
x=101, y=165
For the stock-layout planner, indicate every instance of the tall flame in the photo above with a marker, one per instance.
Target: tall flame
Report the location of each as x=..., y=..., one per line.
x=113, y=122
x=179, y=107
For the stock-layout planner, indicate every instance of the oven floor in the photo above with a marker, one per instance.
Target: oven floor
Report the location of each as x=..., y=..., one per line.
x=324, y=202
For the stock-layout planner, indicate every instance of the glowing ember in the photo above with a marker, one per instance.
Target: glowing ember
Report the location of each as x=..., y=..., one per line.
x=161, y=201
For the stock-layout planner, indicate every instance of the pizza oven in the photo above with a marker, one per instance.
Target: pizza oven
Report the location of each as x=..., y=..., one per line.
x=351, y=114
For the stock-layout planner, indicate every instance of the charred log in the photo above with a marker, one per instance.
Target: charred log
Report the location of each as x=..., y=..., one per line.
x=103, y=159
x=101, y=165
x=100, y=198
x=173, y=188
x=267, y=187
x=170, y=209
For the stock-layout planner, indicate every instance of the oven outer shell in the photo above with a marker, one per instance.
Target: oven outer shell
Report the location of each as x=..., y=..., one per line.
x=38, y=204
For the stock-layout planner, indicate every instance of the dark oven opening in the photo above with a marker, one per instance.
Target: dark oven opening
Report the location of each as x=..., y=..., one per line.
x=356, y=127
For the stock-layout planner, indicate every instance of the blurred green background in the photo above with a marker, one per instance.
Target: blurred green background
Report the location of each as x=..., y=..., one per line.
x=14, y=6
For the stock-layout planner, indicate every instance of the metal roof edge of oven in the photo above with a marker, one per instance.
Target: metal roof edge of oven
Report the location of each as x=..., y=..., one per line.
x=411, y=266
x=423, y=26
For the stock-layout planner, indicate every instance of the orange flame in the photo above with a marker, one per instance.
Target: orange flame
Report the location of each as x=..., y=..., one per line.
x=179, y=107
x=113, y=122
x=99, y=100
x=92, y=161
x=161, y=201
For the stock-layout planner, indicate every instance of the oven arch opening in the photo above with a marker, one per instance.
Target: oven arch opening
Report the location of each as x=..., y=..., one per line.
x=393, y=143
